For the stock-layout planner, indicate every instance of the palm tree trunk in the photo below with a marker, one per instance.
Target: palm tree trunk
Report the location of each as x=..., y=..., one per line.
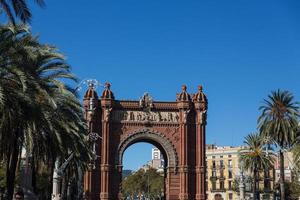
x=33, y=174
x=281, y=180
x=11, y=169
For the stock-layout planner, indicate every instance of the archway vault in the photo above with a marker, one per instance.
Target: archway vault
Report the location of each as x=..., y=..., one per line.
x=177, y=128
x=154, y=137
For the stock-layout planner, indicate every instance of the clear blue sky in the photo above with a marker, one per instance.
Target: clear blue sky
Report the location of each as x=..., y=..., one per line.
x=239, y=51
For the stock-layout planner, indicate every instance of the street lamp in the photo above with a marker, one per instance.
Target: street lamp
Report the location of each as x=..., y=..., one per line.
x=242, y=183
x=93, y=137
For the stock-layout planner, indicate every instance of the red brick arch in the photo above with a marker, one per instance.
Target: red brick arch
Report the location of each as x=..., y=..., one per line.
x=177, y=128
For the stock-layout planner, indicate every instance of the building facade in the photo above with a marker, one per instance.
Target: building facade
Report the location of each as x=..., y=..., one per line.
x=288, y=167
x=224, y=171
x=157, y=160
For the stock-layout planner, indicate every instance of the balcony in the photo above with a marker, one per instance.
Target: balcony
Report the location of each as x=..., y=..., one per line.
x=218, y=190
x=217, y=177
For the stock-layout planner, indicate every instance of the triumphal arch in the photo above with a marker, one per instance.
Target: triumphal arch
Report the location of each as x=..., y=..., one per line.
x=177, y=128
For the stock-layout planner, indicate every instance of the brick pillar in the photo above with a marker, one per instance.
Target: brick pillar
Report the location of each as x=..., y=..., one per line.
x=200, y=104
x=184, y=106
x=107, y=101
x=200, y=157
x=105, y=157
x=183, y=162
x=92, y=112
x=119, y=181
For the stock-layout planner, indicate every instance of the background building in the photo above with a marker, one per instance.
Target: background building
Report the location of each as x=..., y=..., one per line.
x=288, y=167
x=223, y=175
x=157, y=160
x=222, y=168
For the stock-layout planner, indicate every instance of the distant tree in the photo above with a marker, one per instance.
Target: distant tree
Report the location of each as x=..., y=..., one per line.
x=147, y=183
x=296, y=158
x=155, y=183
x=254, y=159
x=18, y=9
x=292, y=189
x=279, y=121
x=134, y=184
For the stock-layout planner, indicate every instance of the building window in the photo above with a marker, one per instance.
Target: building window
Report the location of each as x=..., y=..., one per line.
x=230, y=196
x=229, y=174
x=267, y=185
x=229, y=163
x=214, y=174
x=214, y=164
x=229, y=185
x=221, y=156
x=214, y=185
x=221, y=185
x=229, y=156
x=213, y=157
x=221, y=163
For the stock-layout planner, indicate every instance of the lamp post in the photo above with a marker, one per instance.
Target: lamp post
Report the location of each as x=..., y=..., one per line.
x=92, y=136
x=242, y=184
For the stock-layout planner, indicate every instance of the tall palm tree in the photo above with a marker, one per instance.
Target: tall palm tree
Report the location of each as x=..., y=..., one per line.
x=279, y=121
x=19, y=9
x=37, y=109
x=255, y=159
x=13, y=102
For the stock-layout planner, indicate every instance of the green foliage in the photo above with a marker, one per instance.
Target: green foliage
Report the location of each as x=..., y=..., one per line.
x=279, y=118
x=44, y=185
x=148, y=183
x=279, y=122
x=254, y=158
x=38, y=111
x=2, y=176
x=17, y=9
x=296, y=158
x=292, y=190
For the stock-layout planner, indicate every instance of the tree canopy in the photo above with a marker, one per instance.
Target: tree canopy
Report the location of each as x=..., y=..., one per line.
x=148, y=183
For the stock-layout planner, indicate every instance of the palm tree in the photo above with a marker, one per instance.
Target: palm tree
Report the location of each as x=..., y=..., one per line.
x=255, y=159
x=279, y=121
x=18, y=8
x=12, y=86
x=37, y=110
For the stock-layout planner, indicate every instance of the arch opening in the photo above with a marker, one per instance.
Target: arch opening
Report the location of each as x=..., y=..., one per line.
x=146, y=181
x=149, y=142
x=167, y=151
x=155, y=138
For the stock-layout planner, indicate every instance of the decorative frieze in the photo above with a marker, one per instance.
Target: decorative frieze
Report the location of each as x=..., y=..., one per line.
x=143, y=116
